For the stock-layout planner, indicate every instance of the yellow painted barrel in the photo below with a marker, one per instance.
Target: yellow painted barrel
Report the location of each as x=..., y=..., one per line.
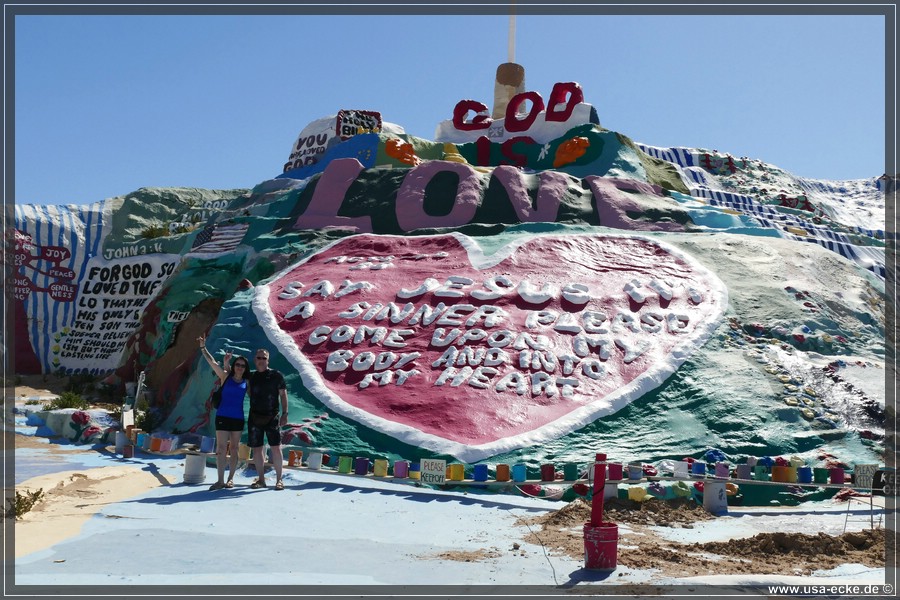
x=244, y=452
x=380, y=468
x=637, y=493
x=457, y=472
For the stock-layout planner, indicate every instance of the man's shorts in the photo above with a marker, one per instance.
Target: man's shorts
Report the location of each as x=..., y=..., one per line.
x=270, y=430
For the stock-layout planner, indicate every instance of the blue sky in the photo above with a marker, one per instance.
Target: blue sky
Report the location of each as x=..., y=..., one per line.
x=108, y=104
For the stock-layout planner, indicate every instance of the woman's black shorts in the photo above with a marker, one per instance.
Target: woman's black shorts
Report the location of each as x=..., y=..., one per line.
x=229, y=424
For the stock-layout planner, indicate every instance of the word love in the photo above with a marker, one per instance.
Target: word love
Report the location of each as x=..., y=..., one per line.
x=606, y=201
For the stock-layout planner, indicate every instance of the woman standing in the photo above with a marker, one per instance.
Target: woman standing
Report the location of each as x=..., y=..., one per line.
x=230, y=414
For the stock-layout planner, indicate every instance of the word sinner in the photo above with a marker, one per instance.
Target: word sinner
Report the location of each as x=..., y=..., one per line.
x=462, y=331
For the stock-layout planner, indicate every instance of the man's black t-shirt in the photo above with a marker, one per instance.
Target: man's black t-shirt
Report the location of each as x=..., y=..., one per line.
x=264, y=387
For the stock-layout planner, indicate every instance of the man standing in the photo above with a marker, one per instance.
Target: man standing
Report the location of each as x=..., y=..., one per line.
x=267, y=388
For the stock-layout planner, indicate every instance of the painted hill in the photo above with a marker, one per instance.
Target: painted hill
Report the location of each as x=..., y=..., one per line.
x=524, y=295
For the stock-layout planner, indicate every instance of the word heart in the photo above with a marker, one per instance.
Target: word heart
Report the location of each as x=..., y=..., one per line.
x=434, y=342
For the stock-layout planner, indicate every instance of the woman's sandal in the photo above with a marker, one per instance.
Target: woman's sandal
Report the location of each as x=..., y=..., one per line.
x=229, y=484
x=279, y=485
x=259, y=483
x=216, y=486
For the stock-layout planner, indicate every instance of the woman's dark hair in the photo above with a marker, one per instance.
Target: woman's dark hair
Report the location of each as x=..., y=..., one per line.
x=246, y=366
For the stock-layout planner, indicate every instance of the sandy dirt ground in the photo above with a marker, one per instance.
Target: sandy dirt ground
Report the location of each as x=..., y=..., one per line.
x=40, y=386
x=68, y=498
x=71, y=498
x=641, y=547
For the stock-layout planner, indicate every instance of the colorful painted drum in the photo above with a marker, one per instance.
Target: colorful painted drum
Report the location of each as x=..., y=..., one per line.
x=207, y=444
x=548, y=473
x=243, y=452
x=519, y=472
x=314, y=460
x=791, y=474
x=361, y=465
x=779, y=473
x=401, y=468
x=456, y=472
x=613, y=471
x=345, y=464
x=502, y=472
x=837, y=475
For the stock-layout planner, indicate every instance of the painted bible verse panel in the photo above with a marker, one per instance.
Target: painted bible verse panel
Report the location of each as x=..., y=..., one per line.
x=432, y=341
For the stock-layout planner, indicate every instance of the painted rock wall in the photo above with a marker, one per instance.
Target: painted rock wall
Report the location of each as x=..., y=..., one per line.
x=496, y=291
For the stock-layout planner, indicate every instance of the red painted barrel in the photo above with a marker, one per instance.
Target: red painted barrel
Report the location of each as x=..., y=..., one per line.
x=615, y=471
x=601, y=546
x=837, y=475
x=548, y=472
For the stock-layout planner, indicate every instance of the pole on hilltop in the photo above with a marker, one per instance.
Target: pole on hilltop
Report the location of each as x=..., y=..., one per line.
x=510, y=78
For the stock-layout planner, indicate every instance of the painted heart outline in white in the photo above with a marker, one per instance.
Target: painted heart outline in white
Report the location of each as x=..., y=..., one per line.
x=637, y=275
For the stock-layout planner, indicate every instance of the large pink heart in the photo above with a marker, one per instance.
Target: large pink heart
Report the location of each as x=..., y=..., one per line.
x=434, y=342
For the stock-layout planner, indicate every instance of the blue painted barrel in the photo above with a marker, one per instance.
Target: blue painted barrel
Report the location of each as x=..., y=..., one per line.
x=519, y=473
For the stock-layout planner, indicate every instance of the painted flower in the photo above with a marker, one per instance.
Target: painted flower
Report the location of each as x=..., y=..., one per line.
x=296, y=431
x=90, y=432
x=80, y=417
x=303, y=431
x=79, y=424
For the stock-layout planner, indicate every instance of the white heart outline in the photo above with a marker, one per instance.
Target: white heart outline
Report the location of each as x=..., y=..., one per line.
x=572, y=421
